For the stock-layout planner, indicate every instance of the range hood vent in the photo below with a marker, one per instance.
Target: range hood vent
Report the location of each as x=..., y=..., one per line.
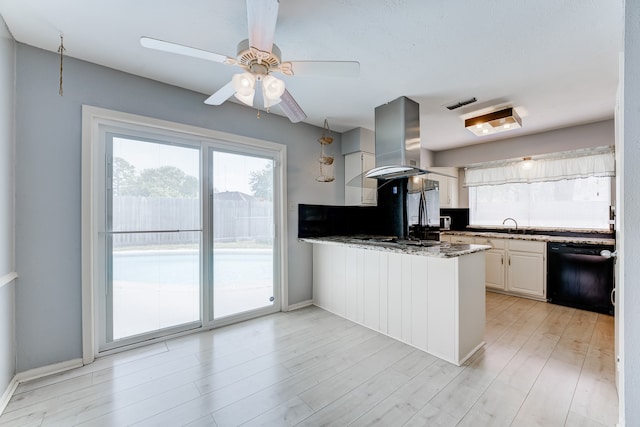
x=397, y=136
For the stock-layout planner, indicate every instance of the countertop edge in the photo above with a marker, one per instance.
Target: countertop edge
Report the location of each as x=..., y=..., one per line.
x=533, y=237
x=444, y=250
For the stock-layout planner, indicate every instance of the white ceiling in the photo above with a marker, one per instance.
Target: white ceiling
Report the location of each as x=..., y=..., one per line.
x=555, y=61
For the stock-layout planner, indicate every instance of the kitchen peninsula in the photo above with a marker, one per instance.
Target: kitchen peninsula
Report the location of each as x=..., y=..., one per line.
x=430, y=295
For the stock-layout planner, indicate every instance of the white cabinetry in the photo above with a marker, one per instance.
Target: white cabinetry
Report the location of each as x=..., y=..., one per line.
x=495, y=260
x=516, y=266
x=448, y=185
x=359, y=190
x=435, y=304
x=526, y=268
x=512, y=266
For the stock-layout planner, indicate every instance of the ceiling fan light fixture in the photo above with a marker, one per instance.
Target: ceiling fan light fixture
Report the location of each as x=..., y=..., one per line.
x=272, y=88
x=246, y=99
x=244, y=84
x=498, y=121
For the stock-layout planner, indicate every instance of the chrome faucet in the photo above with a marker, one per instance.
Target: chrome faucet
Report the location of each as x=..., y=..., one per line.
x=514, y=221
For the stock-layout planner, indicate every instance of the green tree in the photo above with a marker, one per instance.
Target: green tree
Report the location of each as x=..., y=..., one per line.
x=165, y=181
x=124, y=176
x=261, y=182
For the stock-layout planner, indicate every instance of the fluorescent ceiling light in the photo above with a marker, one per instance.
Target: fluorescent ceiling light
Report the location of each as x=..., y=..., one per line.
x=498, y=121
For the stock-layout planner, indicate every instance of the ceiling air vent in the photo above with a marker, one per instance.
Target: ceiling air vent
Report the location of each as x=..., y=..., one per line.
x=461, y=103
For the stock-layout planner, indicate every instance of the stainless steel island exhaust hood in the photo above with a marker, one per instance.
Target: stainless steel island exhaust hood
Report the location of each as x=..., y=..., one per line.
x=397, y=136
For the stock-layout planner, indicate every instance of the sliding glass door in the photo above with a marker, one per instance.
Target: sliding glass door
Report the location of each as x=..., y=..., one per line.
x=153, y=238
x=242, y=231
x=170, y=260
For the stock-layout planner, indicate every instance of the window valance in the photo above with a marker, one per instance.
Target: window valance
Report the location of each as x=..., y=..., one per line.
x=598, y=162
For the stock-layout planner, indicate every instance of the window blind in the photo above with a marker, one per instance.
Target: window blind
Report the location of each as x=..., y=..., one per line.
x=593, y=162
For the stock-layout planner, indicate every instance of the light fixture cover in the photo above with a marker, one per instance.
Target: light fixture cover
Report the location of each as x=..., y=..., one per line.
x=244, y=83
x=246, y=99
x=272, y=90
x=498, y=121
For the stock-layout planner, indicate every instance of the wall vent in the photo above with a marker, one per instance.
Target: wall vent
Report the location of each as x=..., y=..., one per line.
x=461, y=103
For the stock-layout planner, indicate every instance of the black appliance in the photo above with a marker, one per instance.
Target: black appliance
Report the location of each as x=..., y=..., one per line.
x=578, y=276
x=392, y=196
x=422, y=209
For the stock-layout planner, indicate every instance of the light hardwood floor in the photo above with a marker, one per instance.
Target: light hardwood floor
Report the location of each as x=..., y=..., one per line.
x=543, y=365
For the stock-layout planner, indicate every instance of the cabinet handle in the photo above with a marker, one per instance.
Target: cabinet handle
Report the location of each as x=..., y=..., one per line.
x=613, y=297
x=501, y=260
x=509, y=260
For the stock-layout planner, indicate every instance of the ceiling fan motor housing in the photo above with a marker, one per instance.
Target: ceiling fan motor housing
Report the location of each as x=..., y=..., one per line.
x=258, y=61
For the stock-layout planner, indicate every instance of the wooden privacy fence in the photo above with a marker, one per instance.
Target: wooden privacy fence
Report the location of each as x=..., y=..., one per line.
x=248, y=220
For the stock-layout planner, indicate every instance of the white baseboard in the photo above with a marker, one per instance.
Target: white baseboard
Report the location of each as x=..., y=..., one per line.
x=33, y=374
x=299, y=305
x=8, y=393
x=56, y=368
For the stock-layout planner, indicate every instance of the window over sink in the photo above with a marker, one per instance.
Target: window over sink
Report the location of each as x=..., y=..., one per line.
x=562, y=190
x=570, y=203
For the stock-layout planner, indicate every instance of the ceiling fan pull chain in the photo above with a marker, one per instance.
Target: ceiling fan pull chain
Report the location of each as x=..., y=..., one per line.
x=61, y=50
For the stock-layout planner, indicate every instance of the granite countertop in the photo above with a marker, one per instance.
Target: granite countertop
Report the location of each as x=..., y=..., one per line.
x=381, y=243
x=536, y=237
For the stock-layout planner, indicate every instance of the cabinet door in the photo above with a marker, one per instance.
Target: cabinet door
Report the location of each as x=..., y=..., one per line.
x=359, y=190
x=448, y=186
x=494, y=270
x=369, y=185
x=526, y=273
x=445, y=191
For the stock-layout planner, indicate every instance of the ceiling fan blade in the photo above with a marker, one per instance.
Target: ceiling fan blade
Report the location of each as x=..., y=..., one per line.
x=322, y=68
x=262, y=16
x=164, y=46
x=224, y=93
x=291, y=107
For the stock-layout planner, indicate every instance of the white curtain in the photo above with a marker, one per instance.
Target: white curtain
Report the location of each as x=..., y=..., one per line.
x=598, y=162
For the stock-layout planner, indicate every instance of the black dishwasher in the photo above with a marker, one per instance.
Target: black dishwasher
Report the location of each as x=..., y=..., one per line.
x=578, y=276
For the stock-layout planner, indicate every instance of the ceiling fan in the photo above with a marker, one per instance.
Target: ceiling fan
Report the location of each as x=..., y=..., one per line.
x=259, y=57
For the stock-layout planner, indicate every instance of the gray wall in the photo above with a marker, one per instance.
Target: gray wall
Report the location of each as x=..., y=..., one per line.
x=631, y=213
x=48, y=162
x=571, y=138
x=7, y=292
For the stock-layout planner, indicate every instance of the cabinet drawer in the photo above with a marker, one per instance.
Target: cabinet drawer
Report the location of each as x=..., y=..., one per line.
x=494, y=243
x=527, y=246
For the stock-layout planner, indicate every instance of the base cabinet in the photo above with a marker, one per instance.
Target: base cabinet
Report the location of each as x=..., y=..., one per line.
x=495, y=271
x=514, y=266
x=434, y=304
x=526, y=269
